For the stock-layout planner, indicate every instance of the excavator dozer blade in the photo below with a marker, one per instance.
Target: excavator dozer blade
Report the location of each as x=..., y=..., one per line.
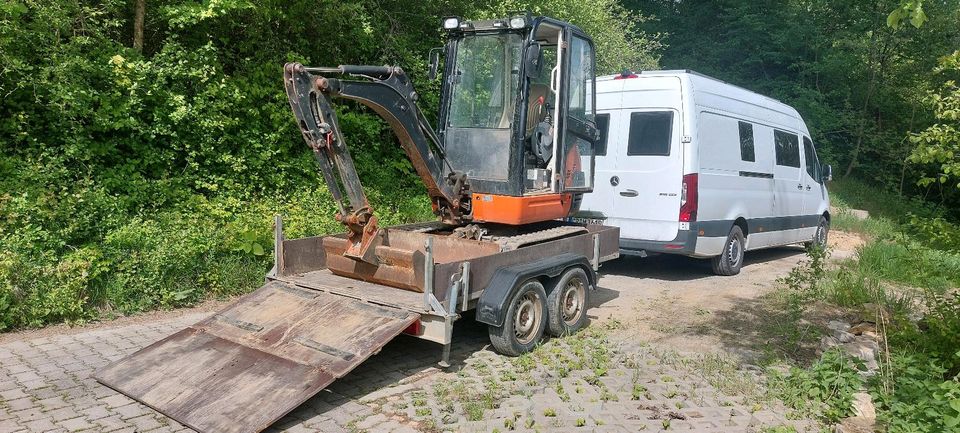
x=253, y=362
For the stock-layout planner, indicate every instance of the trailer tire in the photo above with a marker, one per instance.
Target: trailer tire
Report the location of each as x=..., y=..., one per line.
x=567, y=303
x=524, y=323
x=731, y=258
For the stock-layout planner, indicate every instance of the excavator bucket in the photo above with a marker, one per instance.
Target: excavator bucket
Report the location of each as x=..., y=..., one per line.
x=253, y=362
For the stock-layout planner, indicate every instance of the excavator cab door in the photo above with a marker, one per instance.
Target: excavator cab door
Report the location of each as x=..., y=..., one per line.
x=574, y=155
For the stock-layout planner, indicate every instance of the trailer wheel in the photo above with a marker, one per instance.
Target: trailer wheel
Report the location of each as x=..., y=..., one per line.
x=731, y=258
x=567, y=303
x=524, y=323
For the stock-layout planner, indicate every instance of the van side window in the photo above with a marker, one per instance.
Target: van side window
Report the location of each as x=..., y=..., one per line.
x=603, y=125
x=787, y=148
x=650, y=133
x=746, y=142
x=813, y=165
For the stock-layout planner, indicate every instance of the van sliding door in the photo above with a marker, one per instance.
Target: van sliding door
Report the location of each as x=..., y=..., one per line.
x=788, y=186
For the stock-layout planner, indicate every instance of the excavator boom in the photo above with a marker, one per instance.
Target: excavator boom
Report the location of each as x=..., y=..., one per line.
x=388, y=92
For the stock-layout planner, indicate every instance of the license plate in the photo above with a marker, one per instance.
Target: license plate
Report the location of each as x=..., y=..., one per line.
x=587, y=221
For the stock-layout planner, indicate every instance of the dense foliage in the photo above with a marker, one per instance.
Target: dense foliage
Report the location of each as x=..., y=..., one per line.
x=863, y=86
x=132, y=180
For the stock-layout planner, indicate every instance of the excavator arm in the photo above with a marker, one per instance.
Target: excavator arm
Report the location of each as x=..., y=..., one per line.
x=387, y=91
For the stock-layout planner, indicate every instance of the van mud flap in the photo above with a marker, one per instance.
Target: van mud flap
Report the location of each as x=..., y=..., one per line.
x=248, y=365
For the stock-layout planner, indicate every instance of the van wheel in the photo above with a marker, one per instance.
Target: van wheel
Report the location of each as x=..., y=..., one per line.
x=567, y=303
x=731, y=259
x=820, y=236
x=525, y=321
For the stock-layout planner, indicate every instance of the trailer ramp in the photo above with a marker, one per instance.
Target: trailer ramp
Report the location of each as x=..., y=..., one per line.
x=246, y=366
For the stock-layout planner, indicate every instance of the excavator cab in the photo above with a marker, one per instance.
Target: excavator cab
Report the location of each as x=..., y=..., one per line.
x=517, y=116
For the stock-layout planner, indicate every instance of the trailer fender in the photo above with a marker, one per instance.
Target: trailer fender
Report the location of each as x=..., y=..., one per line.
x=492, y=304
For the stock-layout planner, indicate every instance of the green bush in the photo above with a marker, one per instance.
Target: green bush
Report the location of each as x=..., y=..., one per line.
x=918, y=399
x=825, y=390
x=936, y=233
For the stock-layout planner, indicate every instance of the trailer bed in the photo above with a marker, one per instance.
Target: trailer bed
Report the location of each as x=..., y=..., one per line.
x=269, y=351
x=325, y=281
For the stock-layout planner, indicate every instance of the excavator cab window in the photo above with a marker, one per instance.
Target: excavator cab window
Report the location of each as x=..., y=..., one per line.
x=484, y=83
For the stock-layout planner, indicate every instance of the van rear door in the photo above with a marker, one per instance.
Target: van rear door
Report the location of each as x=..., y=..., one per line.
x=650, y=170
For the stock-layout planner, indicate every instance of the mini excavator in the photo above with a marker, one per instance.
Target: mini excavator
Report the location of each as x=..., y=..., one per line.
x=515, y=141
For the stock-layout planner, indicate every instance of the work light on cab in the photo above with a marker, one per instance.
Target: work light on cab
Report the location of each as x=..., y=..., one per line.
x=450, y=23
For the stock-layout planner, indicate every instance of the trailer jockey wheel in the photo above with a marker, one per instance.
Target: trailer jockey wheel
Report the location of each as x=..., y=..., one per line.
x=524, y=323
x=567, y=303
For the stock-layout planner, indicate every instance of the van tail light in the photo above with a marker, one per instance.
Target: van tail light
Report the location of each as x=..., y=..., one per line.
x=688, y=198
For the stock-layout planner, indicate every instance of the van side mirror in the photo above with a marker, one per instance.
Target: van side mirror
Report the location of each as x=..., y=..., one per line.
x=826, y=173
x=434, y=63
x=533, y=60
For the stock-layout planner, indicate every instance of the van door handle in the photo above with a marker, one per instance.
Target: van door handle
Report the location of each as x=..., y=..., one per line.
x=800, y=186
x=808, y=187
x=629, y=193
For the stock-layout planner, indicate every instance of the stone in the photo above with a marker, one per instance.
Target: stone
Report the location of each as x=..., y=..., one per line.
x=855, y=425
x=863, y=406
x=862, y=328
x=843, y=336
x=837, y=325
x=865, y=349
x=827, y=342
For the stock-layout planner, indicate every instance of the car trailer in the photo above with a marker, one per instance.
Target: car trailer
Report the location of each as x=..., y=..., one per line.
x=320, y=315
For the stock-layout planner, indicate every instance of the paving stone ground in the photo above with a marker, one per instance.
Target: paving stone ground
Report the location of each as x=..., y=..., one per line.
x=592, y=381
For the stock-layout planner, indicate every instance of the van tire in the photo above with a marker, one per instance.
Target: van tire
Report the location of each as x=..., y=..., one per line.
x=567, y=303
x=820, y=236
x=731, y=258
x=528, y=304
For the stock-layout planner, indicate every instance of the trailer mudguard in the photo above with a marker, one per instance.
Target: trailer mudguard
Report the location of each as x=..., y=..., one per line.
x=492, y=304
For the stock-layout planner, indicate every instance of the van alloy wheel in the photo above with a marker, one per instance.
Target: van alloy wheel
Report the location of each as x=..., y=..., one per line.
x=821, y=236
x=734, y=252
x=730, y=259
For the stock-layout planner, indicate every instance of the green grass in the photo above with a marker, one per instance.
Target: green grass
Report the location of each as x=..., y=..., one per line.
x=910, y=269
x=855, y=194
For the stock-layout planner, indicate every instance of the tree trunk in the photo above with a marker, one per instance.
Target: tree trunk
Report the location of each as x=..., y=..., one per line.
x=140, y=9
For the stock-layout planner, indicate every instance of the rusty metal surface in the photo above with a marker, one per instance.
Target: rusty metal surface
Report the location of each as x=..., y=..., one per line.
x=326, y=281
x=399, y=259
x=483, y=268
x=259, y=358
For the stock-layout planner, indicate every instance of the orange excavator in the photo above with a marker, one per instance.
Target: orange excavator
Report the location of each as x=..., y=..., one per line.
x=512, y=154
x=515, y=141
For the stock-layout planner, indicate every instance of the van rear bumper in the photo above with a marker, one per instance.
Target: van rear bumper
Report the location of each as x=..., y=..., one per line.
x=684, y=244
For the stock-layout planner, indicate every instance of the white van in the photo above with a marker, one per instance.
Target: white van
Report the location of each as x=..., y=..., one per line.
x=688, y=164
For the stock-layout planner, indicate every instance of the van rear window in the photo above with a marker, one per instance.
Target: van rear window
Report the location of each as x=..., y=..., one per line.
x=746, y=142
x=650, y=133
x=787, y=148
x=603, y=126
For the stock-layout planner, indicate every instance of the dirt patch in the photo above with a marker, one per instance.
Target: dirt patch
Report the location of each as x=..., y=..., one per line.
x=844, y=245
x=147, y=317
x=678, y=302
